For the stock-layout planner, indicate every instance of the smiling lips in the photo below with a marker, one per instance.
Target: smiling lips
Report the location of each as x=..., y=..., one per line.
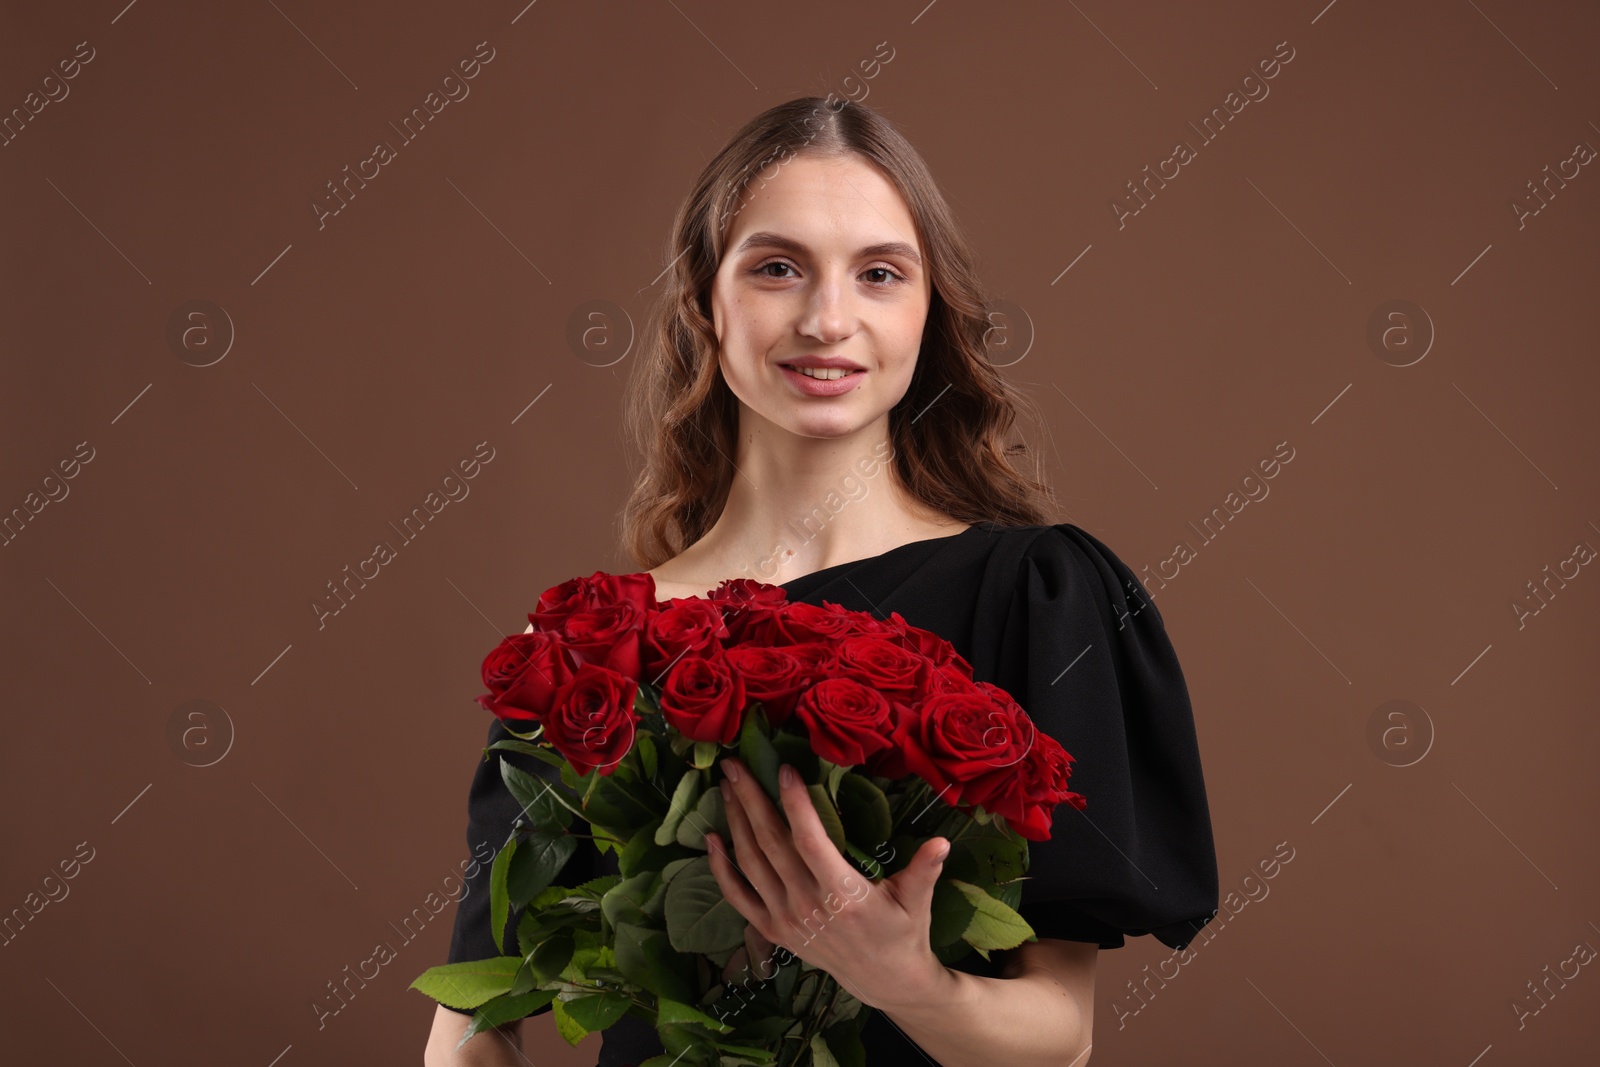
x=821, y=381
x=822, y=373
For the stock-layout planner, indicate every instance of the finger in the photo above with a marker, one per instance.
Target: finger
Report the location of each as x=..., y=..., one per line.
x=914, y=885
x=732, y=883
x=819, y=859
x=775, y=839
x=749, y=859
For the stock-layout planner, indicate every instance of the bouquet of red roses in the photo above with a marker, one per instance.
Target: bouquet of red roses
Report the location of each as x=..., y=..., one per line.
x=633, y=702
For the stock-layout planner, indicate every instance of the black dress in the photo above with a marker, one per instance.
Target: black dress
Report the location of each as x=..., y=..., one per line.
x=1050, y=615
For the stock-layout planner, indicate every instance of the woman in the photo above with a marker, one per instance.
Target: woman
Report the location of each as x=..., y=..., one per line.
x=817, y=412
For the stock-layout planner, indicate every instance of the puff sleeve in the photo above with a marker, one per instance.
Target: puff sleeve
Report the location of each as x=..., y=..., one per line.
x=491, y=811
x=1086, y=653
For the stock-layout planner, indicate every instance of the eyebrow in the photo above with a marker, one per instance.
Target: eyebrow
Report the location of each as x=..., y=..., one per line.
x=765, y=239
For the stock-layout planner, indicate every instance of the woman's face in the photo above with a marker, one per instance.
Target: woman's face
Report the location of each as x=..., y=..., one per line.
x=801, y=277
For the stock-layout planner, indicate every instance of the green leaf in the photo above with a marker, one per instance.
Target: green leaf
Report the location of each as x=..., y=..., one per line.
x=864, y=810
x=539, y=858
x=596, y=1011
x=952, y=913
x=620, y=807
x=592, y=890
x=832, y=774
x=706, y=753
x=699, y=917
x=683, y=799
x=994, y=925
x=541, y=806
x=587, y=952
x=983, y=856
x=505, y=1009
x=539, y=924
x=552, y=956
x=625, y=902
x=499, y=901
x=829, y=816
x=671, y=1011
x=524, y=982
x=647, y=754
x=708, y=814
x=648, y=959
x=757, y=753
x=821, y=1055
x=571, y=1030
x=642, y=853
x=690, y=1044
x=467, y=984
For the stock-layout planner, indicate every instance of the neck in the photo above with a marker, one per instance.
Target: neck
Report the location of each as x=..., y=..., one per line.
x=799, y=504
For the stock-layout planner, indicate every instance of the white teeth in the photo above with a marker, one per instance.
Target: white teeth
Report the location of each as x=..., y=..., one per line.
x=827, y=374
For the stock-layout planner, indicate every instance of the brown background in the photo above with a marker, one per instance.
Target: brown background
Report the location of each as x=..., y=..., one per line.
x=369, y=356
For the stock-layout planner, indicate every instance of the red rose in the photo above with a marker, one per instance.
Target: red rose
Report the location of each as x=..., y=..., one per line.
x=882, y=664
x=813, y=656
x=690, y=626
x=523, y=673
x=773, y=676
x=859, y=623
x=1038, y=786
x=949, y=678
x=608, y=636
x=559, y=602
x=749, y=609
x=906, y=715
x=800, y=623
x=1009, y=736
x=748, y=593
x=847, y=721
x=927, y=643
x=592, y=721
x=704, y=699
x=946, y=740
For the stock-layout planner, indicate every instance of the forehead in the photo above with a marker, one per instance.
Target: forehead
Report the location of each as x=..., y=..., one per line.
x=828, y=204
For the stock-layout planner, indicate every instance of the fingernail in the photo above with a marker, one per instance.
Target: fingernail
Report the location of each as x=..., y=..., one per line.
x=942, y=852
x=786, y=775
x=731, y=770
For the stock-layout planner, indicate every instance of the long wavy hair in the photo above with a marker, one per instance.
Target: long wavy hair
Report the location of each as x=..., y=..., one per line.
x=681, y=418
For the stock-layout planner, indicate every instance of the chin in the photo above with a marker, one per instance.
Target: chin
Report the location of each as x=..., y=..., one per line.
x=830, y=426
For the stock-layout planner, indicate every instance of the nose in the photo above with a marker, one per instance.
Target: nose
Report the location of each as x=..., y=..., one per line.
x=829, y=312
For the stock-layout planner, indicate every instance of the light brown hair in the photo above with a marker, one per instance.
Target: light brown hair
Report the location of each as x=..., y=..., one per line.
x=948, y=432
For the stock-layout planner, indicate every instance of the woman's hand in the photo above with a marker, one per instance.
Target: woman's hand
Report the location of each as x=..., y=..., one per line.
x=798, y=892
